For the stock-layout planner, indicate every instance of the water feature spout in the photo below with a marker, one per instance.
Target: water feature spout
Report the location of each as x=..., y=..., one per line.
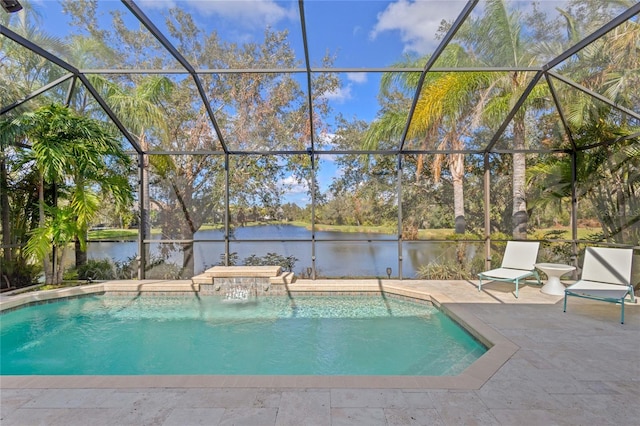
x=240, y=293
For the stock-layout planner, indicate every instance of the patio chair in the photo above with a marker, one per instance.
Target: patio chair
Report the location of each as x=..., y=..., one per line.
x=517, y=264
x=606, y=276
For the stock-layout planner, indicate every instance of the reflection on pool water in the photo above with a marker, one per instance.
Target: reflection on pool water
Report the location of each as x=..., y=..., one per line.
x=308, y=335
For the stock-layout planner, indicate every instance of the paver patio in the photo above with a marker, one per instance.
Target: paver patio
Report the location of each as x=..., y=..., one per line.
x=578, y=367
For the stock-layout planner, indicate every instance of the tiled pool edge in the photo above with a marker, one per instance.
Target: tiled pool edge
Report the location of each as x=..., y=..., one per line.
x=500, y=350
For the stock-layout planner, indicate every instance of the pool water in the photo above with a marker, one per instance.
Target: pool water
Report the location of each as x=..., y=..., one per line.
x=310, y=335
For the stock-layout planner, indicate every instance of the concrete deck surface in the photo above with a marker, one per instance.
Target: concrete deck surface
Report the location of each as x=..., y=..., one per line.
x=581, y=367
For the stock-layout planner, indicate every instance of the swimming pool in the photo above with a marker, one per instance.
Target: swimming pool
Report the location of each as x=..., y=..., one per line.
x=306, y=335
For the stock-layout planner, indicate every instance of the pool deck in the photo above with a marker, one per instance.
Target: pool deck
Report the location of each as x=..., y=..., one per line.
x=546, y=367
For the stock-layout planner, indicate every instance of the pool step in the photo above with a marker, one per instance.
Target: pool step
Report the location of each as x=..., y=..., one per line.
x=264, y=275
x=243, y=271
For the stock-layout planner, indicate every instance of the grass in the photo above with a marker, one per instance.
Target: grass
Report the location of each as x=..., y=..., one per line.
x=109, y=234
x=423, y=234
x=382, y=229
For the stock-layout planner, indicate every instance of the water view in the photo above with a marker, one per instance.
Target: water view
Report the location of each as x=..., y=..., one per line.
x=338, y=254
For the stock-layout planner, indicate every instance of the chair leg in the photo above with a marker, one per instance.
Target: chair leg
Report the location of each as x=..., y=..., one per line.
x=516, y=289
x=564, y=309
x=480, y=283
x=622, y=311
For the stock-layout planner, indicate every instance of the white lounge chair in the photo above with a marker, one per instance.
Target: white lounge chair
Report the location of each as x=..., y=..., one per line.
x=606, y=276
x=517, y=264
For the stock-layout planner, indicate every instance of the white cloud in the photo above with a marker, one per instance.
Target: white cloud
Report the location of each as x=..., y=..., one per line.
x=242, y=12
x=326, y=137
x=324, y=141
x=357, y=77
x=157, y=4
x=343, y=94
x=292, y=186
x=417, y=21
x=339, y=95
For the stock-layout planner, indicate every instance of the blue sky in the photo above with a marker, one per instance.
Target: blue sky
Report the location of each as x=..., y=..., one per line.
x=359, y=33
x=372, y=33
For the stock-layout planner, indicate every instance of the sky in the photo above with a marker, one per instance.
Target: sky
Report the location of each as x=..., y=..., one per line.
x=359, y=33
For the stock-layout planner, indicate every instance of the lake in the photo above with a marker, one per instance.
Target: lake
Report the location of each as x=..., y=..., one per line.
x=338, y=254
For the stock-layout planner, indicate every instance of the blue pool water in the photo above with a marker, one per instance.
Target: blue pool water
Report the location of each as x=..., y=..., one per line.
x=322, y=335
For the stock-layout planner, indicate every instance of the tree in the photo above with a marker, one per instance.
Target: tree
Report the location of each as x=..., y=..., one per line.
x=607, y=155
x=447, y=107
x=80, y=157
x=496, y=39
x=21, y=73
x=138, y=103
x=608, y=177
x=365, y=192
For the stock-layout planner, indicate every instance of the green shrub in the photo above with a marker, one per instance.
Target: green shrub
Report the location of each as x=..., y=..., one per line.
x=287, y=263
x=233, y=259
x=17, y=273
x=445, y=270
x=161, y=270
x=97, y=270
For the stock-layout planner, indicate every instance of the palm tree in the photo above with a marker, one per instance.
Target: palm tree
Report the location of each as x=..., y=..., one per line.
x=21, y=73
x=606, y=178
x=496, y=39
x=446, y=111
x=140, y=110
x=79, y=155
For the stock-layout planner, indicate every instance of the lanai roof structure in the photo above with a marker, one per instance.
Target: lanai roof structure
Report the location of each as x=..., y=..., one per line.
x=315, y=85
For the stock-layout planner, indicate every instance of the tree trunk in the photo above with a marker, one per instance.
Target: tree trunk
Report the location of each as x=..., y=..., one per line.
x=520, y=217
x=81, y=255
x=46, y=263
x=59, y=269
x=457, y=173
x=145, y=214
x=188, y=261
x=4, y=206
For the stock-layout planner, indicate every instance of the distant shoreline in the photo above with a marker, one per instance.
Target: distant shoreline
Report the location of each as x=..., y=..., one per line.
x=423, y=234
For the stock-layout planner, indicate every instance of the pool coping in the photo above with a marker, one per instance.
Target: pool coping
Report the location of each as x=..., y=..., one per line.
x=500, y=349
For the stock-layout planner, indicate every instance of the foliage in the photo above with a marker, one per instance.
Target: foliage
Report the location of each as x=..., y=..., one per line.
x=233, y=259
x=287, y=263
x=606, y=177
x=16, y=273
x=162, y=270
x=555, y=252
x=76, y=155
x=461, y=261
x=270, y=259
x=97, y=270
x=444, y=270
x=269, y=112
x=255, y=111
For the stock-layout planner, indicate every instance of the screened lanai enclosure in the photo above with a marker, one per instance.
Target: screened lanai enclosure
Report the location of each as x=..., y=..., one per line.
x=392, y=139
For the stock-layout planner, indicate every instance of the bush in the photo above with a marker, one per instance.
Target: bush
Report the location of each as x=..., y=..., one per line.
x=17, y=273
x=97, y=270
x=461, y=261
x=446, y=270
x=233, y=259
x=287, y=263
x=160, y=270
